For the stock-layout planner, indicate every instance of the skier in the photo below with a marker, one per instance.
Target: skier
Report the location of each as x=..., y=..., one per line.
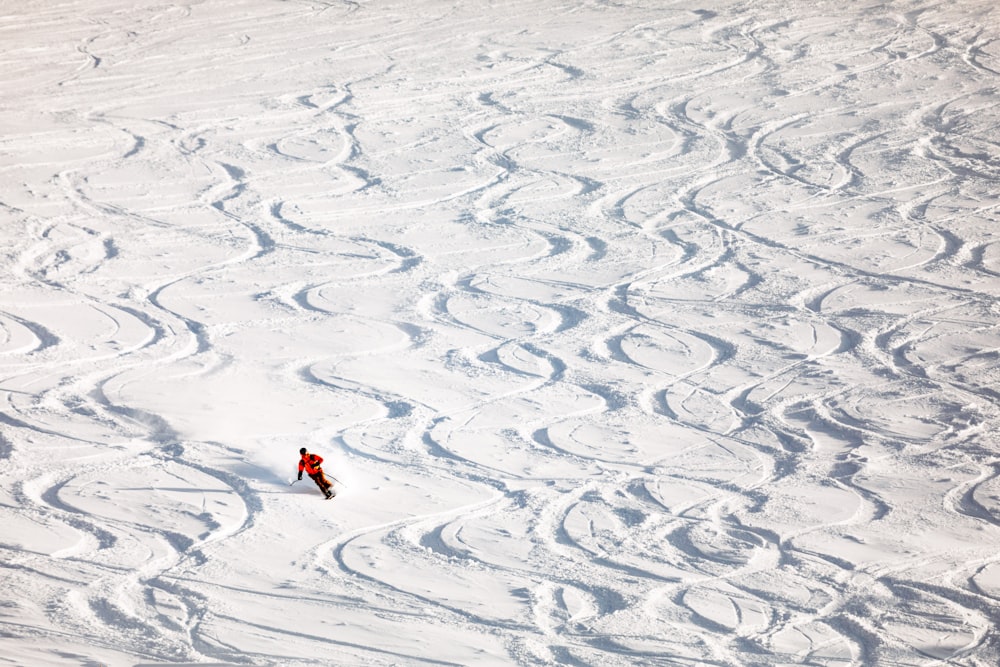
x=311, y=464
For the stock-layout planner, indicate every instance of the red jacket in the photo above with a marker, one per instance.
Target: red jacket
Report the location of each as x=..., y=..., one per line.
x=310, y=463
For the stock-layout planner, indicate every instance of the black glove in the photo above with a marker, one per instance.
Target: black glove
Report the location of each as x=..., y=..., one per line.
x=300, y=477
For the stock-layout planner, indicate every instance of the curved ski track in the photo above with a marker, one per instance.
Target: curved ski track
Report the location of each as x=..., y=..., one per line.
x=651, y=335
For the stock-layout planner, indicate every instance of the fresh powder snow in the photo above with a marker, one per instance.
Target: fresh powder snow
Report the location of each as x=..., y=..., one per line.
x=633, y=332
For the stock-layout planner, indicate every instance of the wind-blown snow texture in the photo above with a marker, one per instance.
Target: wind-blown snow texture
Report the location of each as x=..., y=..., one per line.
x=636, y=332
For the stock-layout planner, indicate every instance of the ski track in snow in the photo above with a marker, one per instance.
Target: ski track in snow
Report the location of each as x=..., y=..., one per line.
x=634, y=332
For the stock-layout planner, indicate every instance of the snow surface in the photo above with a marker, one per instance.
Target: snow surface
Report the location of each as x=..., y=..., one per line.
x=636, y=332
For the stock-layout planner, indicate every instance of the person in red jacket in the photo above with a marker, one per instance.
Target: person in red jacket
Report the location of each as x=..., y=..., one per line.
x=311, y=463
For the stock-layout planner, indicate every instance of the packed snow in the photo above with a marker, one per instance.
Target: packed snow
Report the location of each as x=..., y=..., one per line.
x=633, y=332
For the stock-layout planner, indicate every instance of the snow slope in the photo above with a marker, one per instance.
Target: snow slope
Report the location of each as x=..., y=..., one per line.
x=635, y=332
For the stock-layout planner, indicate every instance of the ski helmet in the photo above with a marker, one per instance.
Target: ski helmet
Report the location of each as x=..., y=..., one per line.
x=302, y=451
